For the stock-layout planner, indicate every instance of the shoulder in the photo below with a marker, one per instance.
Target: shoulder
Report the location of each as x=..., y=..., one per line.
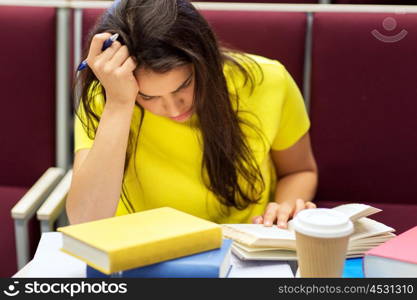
x=267, y=64
x=266, y=72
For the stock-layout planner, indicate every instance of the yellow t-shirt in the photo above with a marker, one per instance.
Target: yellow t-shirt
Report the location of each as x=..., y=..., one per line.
x=169, y=154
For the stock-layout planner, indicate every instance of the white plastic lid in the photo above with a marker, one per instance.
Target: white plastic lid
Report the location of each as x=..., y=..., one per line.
x=323, y=223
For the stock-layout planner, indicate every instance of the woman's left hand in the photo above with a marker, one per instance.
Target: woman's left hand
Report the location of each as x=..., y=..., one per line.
x=280, y=213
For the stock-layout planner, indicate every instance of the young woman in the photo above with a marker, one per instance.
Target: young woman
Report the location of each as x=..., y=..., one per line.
x=168, y=117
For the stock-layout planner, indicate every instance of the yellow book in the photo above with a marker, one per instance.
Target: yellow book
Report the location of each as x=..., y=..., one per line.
x=135, y=240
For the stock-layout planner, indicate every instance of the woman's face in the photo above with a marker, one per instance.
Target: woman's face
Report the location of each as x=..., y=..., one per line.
x=167, y=94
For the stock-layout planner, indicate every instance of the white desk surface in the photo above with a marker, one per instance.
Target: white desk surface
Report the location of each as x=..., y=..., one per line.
x=50, y=262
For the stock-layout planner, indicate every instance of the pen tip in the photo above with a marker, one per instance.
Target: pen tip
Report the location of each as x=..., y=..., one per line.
x=82, y=66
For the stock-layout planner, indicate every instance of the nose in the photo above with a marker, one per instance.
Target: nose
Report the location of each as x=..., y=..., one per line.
x=174, y=107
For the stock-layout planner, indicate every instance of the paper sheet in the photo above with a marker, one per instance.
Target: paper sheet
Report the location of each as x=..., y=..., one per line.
x=50, y=261
x=259, y=269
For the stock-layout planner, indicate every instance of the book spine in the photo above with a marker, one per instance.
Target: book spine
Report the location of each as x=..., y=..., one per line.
x=163, y=250
x=184, y=271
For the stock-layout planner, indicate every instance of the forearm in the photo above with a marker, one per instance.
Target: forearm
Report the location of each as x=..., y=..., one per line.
x=296, y=185
x=96, y=186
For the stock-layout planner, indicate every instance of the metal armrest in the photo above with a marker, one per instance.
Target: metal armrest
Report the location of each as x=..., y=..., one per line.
x=26, y=207
x=54, y=205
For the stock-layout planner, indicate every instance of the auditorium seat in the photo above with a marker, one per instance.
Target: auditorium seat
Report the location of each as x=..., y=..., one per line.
x=276, y=35
x=385, y=2
x=261, y=1
x=363, y=112
x=27, y=124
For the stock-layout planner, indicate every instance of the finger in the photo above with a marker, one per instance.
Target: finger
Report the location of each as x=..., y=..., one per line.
x=108, y=54
x=257, y=220
x=310, y=205
x=299, y=205
x=270, y=214
x=129, y=65
x=283, y=216
x=119, y=57
x=97, y=44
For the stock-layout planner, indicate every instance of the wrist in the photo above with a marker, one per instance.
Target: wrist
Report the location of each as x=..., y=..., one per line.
x=115, y=104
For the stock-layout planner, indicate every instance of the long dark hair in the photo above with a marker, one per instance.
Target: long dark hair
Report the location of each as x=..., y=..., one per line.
x=162, y=35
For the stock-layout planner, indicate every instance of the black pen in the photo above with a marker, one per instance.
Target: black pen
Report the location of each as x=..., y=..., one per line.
x=107, y=43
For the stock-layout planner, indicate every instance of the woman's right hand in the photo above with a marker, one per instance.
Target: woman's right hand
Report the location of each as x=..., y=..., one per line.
x=114, y=69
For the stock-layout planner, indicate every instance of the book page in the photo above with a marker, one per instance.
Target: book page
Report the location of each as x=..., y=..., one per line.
x=365, y=228
x=286, y=255
x=262, y=232
x=257, y=249
x=257, y=235
x=356, y=211
x=377, y=239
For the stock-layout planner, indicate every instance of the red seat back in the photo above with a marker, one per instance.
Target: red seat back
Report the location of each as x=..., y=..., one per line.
x=364, y=108
x=27, y=73
x=400, y=2
x=27, y=124
x=276, y=35
x=261, y=1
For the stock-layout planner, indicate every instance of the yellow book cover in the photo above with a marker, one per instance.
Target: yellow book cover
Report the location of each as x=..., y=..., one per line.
x=135, y=240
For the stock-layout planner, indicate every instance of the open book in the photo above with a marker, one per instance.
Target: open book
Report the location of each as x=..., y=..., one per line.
x=257, y=242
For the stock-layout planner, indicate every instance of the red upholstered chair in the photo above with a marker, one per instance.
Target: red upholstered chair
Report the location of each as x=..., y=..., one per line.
x=260, y=1
x=27, y=123
x=90, y=16
x=390, y=2
x=51, y=213
x=277, y=35
x=364, y=112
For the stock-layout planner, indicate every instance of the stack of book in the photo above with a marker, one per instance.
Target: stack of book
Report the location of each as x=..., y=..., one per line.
x=395, y=258
x=257, y=242
x=161, y=242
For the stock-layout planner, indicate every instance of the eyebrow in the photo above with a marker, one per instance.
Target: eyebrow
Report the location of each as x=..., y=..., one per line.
x=181, y=86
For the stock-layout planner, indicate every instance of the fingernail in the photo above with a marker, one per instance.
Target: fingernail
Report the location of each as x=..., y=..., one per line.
x=281, y=224
x=268, y=223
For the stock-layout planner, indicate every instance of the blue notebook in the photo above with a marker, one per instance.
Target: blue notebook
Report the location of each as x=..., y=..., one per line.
x=209, y=264
x=353, y=268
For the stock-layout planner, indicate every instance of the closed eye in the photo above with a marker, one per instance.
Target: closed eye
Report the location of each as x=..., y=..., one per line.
x=146, y=98
x=184, y=86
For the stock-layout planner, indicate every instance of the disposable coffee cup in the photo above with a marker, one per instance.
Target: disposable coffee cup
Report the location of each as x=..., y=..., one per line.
x=322, y=237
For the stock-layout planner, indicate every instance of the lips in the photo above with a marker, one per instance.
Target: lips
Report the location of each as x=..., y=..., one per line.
x=182, y=116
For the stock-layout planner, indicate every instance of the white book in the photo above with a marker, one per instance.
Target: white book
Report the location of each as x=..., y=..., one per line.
x=355, y=211
x=259, y=269
x=255, y=241
x=282, y=255
x=257, y=235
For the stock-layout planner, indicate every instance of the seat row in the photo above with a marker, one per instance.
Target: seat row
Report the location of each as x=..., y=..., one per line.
x=356, y=70
x=397, y=2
